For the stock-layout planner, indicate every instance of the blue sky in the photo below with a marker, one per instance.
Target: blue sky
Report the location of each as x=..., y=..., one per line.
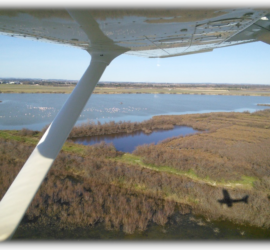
x=245, y=63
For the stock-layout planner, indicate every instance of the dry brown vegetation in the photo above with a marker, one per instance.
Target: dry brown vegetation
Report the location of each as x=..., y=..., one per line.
x=98, y=185
x=82, y=191
x=235, y=145
x=27, y=132
x=92, y=128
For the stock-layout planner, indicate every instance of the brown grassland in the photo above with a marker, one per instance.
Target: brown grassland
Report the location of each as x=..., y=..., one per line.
x=88, y=185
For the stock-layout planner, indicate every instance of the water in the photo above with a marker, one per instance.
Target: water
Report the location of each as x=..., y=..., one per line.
x=128, y=142
x=182, y=227
x=34, y=111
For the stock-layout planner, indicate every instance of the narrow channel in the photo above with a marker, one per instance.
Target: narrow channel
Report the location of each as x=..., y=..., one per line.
x=128, y=142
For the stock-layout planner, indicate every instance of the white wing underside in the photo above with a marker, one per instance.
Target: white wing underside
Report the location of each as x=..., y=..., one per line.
x=148, y=32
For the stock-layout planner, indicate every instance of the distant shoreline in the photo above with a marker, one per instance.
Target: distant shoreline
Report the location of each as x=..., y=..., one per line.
x=263, y=104
x=241, y=90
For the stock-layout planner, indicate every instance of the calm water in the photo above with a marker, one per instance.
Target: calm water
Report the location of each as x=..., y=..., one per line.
x=182, y=227
x=128, y=142
x=34, y=111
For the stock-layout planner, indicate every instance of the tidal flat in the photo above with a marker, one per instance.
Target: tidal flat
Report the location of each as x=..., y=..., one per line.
x=130, y=193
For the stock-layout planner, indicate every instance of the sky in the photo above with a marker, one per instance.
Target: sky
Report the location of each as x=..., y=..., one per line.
x=247, y=63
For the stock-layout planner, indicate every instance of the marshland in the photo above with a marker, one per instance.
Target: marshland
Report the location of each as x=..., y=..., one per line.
x=130, y=193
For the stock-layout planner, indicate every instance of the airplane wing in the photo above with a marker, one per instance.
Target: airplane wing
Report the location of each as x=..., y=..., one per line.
x=143, y=32
x=106, y=34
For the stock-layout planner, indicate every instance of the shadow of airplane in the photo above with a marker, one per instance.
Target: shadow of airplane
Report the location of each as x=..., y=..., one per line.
x=229, y=201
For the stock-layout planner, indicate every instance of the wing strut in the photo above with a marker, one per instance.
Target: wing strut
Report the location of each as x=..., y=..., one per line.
x=23, y=189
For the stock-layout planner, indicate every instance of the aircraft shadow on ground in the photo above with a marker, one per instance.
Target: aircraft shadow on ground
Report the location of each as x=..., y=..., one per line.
x=229, y=201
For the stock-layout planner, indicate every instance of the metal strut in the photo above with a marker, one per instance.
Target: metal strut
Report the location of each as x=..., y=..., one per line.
x=23, y=189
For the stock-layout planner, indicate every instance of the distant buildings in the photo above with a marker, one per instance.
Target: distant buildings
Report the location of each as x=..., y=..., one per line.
x=10, y=82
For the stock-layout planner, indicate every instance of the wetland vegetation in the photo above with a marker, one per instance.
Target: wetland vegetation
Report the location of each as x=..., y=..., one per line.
x=98, y=185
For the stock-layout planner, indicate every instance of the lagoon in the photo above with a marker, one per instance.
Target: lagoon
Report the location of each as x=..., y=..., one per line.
x=35, y=111
x=128, y=142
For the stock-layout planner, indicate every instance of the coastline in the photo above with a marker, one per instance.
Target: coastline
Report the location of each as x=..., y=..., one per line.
x=178, y=90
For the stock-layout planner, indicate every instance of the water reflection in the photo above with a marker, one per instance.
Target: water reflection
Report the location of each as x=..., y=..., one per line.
x=128, y=142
